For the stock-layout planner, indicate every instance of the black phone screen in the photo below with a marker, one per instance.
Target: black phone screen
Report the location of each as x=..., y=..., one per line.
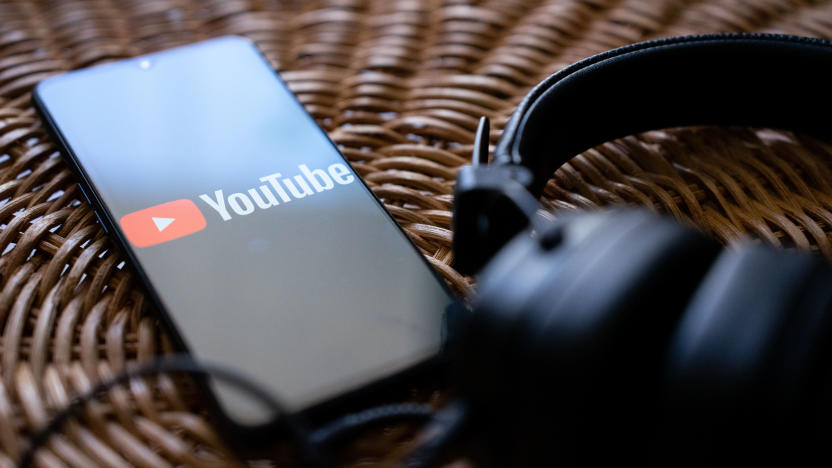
x=256, y=237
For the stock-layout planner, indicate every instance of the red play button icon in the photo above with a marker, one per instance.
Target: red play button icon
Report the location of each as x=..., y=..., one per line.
x=162, y=223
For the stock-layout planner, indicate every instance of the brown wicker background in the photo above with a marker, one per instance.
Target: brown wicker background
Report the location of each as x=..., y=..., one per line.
x=399, y=85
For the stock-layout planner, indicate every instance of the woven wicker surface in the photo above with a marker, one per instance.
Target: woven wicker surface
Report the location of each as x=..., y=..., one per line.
x=399, y=85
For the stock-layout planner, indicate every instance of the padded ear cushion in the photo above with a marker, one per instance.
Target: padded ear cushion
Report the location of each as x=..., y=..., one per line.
x=570, y=335
x=747, y=356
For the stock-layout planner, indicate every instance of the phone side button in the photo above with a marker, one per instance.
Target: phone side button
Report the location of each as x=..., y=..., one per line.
x=84, y=193
x=103, y=226
x=98, y=216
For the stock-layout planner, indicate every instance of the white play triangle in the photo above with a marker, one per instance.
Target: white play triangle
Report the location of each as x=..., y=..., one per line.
x=162, y=223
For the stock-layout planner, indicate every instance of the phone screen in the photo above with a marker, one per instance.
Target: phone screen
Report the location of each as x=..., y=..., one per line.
x=260, y=242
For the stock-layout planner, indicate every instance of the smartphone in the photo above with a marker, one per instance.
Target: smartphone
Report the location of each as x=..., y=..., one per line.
x=260, y=246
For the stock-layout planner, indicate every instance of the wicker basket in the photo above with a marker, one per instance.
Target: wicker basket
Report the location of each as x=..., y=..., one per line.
x=399, y=85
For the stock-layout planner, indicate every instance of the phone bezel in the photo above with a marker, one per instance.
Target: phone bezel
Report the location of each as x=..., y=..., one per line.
x=258, y=438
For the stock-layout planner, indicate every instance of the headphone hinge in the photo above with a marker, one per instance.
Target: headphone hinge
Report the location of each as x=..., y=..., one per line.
x=491, y=205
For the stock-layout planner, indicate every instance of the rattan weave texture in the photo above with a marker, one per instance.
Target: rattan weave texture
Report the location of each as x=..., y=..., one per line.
x=399, y=85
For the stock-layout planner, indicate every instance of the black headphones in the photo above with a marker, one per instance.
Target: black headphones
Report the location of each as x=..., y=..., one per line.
x=621, y=336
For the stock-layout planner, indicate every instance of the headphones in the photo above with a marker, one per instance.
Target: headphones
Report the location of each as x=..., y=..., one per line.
x=621, y=336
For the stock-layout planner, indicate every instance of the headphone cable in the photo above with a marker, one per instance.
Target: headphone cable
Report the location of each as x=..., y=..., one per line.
x=308, y=452
x=313, y=447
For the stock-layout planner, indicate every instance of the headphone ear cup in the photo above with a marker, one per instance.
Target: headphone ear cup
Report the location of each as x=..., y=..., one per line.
x=747, y=356
x=570, y=334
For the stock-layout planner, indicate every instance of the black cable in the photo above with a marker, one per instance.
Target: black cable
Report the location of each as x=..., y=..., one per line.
x=351, y=423
x=443, y=428
x=443, y=425
x=307, y=450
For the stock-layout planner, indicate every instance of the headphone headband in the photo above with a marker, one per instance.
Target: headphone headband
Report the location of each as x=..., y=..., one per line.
x=763, y=80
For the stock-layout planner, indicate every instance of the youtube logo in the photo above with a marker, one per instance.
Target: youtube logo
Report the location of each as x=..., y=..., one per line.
x=172, y=220
x=162, y=223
